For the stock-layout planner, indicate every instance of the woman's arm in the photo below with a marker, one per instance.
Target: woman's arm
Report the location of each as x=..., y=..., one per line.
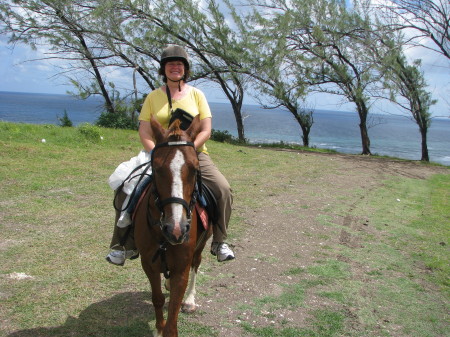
x=146, y=136
x=204, y=134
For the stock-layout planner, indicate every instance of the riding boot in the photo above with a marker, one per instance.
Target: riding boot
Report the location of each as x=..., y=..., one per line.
x=123, y=238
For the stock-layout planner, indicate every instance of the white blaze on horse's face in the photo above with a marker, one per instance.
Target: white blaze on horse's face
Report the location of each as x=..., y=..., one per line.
x=176, y=166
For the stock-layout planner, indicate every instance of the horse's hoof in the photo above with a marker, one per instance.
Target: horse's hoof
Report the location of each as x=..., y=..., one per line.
x=188, y=308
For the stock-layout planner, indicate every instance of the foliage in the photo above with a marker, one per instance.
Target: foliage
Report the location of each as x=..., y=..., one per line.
x=223, y=136
x=326, y=44
x=90, y=132
x=407, y=86
x=124, y=115
x=117, y=120
x=65, y=121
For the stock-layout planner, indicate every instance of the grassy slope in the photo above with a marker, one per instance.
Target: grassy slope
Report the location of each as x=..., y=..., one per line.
x=56, y=218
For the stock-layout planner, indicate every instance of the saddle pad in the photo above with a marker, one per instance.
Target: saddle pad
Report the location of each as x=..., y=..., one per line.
x=203, y=215
x=141, y=197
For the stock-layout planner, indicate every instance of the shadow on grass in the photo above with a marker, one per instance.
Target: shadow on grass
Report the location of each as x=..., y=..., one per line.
x=125, y=315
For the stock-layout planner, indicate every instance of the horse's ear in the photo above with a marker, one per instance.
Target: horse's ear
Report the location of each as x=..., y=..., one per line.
x=157, y=130
x=194, y=128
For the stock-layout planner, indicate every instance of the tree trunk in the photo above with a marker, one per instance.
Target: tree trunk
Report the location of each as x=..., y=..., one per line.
x=305, y=137
x=237, y=107
x=305, y=133
x=304, y=119
x=423, y=132
x=365, y=140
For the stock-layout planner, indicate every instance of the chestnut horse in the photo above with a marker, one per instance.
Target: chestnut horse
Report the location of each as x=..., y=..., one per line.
x=169, y=236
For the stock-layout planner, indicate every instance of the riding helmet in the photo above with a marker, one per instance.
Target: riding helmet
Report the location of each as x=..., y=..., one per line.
x=174, y=53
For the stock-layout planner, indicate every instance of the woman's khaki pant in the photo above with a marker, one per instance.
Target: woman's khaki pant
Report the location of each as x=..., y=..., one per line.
x=214, y=180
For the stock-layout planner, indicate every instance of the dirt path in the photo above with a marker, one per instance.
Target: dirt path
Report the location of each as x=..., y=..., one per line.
x=286, y=234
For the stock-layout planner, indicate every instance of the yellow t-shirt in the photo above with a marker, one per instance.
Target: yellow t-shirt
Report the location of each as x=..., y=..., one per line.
x=157, y=104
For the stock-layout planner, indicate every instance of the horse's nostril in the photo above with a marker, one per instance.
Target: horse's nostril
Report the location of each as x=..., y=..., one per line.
x=165, y=230
x=188, y=227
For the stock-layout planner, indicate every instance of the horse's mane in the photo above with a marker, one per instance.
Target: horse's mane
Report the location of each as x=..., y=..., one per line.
x=175, y=132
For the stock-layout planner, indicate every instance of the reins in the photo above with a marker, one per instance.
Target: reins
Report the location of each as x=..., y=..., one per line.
x=129, y=178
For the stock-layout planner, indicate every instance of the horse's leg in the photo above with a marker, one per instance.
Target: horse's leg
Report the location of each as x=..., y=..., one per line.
x=178, y=284
x=157, y=296
x=189, y=306
x=147, y=242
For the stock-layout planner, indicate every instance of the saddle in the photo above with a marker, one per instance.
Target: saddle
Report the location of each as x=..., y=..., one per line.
x=209, y=202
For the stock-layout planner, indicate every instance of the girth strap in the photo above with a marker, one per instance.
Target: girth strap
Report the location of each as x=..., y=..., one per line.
x=161, y=252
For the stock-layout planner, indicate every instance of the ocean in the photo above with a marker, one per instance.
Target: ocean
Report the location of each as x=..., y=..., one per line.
x=390, y=135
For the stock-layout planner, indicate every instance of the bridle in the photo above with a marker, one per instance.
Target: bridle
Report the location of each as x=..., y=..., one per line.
x=175, y=200
x=163, y=245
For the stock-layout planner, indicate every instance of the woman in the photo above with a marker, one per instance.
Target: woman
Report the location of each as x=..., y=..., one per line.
x=177, y=94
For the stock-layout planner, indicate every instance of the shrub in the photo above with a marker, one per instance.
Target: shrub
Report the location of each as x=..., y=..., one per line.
x=117, y=120
x=65, y=121
x=90, y=132
x=222, y=136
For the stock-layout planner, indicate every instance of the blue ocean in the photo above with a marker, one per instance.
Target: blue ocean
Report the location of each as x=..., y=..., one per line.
x=389, y=135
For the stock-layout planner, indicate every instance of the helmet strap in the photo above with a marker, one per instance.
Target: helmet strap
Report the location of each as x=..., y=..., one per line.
x=179, y=82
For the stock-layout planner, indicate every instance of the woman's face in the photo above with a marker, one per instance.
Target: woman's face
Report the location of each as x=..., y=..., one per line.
x=174, y=70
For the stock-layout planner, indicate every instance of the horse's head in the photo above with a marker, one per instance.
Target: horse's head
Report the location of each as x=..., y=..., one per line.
x=175, y=167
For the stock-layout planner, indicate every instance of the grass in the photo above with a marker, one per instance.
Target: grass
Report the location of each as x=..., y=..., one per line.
x=56, y=218
x=420, y=229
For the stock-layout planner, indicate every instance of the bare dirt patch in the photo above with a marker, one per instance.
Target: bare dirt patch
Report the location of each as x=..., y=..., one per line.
x=287, y=234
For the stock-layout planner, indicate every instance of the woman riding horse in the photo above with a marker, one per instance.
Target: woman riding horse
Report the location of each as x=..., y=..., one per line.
x=177, y=97
x=169, y=236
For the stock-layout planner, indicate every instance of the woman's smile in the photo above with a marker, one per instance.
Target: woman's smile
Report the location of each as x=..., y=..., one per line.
x=175, y=70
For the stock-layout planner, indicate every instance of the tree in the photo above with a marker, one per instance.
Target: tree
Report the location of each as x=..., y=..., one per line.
x=407, y=81
x=226, y=42
x=328, y=45
x=276, y=85
x=411, y=84
x=132, y=46
x=59, y=24
x=430, y=18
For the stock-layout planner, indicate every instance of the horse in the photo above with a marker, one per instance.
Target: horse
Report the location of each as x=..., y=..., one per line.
x=169, y=235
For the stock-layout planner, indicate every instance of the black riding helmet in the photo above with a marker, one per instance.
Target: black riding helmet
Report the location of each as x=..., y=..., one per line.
x=174, y=53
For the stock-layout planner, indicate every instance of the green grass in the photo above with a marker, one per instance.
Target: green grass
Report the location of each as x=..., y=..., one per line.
x=416, y=215
x=56, y=221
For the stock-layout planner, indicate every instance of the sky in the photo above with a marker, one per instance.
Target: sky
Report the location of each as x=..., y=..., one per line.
x=19, y=73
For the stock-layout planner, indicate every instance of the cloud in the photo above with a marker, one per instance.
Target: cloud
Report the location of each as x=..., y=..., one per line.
x=19, y=73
